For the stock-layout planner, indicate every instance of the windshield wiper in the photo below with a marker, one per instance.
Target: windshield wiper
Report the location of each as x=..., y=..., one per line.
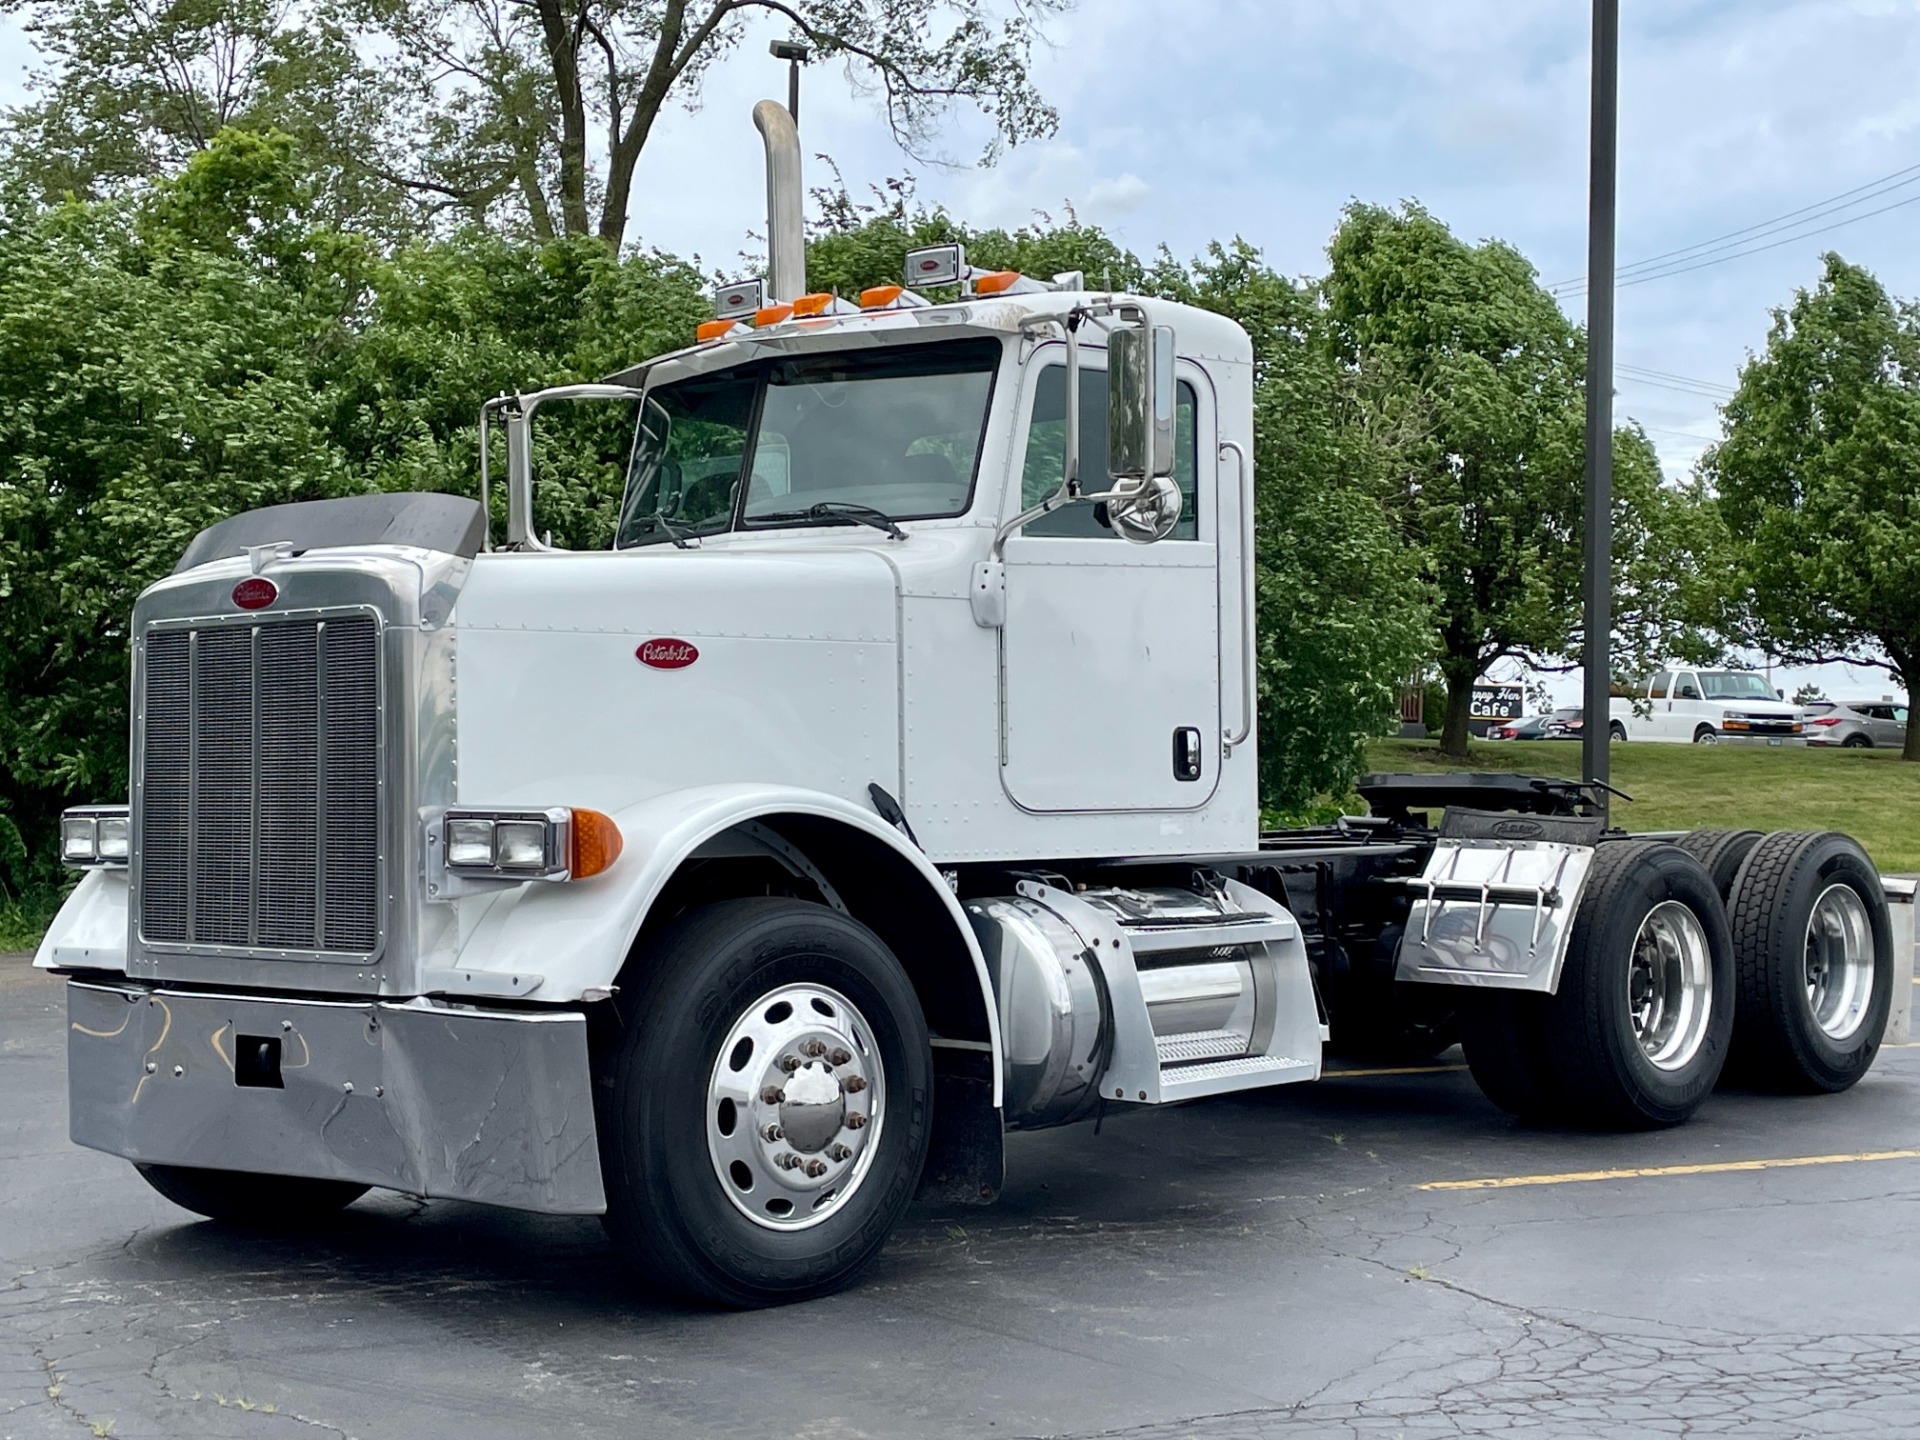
x=679, y=537
x=839, y=510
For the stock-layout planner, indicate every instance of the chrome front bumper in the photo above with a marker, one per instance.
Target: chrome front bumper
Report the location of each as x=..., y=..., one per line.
x=484, y=1105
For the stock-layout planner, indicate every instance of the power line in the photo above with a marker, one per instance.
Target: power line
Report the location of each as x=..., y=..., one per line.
x=1706, y=253
x=1652, y=374
x=1622, y=373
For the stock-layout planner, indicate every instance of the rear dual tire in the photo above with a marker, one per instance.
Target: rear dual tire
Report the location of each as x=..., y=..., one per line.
x=1815, y=947
x=1637, y=1031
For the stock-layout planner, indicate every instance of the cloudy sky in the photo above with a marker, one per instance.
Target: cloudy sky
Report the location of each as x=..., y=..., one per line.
x=1184, y=121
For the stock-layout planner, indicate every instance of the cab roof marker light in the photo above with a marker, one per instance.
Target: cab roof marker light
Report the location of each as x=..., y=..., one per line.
x=717, y=330
x=892, y=297
x=771, y=315
x=1006, y=282
x=822, y=304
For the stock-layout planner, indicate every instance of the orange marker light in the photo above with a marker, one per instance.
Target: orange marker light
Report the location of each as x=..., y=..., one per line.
x=996, y=282
x=879, y=297
x=772, y=314
x=713, y=329
x=813, y=304
x=596, y=844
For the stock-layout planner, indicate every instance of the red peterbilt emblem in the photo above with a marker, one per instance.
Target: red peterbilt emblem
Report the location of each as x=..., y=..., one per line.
x=256, y=592
x=666, y=654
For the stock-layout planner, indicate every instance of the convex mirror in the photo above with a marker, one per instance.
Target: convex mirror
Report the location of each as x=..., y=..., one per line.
x=1144, y=502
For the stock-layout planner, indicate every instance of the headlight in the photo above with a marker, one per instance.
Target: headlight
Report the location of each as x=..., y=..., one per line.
x=92, y=836
x=554, y=844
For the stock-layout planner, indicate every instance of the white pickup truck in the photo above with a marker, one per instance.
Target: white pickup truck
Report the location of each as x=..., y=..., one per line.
x=1708, y=707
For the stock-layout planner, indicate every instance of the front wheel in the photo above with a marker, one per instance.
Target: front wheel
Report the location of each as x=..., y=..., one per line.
x=1856, y=742
x=1617, y=732
x=236, y=1197
x=770, y=1104
x=1706, y=735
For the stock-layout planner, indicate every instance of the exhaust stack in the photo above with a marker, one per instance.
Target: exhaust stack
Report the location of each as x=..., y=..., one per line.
x=786, y=240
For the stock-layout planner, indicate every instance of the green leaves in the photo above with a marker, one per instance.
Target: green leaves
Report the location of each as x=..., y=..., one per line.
x=1818, y=480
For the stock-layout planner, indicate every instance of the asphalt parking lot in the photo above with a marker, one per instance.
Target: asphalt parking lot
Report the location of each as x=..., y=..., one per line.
x=1273, y=1266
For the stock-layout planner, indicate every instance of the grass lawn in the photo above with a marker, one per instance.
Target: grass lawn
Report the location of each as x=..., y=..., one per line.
x=1870, y=794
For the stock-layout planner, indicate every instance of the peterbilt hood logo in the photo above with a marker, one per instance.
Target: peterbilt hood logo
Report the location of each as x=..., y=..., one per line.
x=256, y=592
x=666, y=654
x=1517, y=829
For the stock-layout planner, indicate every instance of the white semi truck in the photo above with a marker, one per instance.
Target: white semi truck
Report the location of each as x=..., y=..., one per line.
x=888, y=785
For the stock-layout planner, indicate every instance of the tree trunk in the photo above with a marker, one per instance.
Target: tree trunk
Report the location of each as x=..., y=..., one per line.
x=563, y=55
x=1453, y=730
x=1911, y=750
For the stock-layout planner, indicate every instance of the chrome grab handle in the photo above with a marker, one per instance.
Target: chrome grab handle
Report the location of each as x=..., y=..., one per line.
x=1249, y=679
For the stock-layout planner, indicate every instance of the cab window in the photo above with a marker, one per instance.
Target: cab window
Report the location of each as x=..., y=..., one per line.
x=1046, y=446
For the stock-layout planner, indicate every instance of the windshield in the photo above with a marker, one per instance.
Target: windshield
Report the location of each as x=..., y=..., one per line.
x=894, y=431
x=1735, y=685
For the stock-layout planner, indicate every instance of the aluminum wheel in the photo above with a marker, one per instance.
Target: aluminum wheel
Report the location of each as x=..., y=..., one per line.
x=1670, y=985
x=1839, y=961
x=795, y=1106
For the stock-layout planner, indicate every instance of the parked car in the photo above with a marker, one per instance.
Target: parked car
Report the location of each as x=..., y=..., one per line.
x=1707, y=707
x=1555, y=725
x=1857, y=724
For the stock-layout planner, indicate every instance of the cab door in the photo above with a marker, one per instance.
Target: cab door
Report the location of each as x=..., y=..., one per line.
x=1110, y=651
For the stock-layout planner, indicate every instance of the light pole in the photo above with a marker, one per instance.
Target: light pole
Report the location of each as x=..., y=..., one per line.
x=1597, y=732
x=796, y=55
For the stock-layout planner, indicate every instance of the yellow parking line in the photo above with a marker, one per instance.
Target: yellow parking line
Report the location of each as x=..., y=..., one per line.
x=1389, y=1070
x=1576, y=1177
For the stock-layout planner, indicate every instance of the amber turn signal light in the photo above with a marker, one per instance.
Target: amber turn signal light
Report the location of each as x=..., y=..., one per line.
x=596, y=843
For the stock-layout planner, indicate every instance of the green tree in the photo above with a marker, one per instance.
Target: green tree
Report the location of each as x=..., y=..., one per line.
x=1818, y=478
x=1472, y=380
x=533, y=114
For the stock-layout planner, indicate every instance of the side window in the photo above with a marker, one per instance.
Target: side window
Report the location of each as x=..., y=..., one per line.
x=1046, y=454
x=1660, y=684
x=1900, y=714
x=1688, y=688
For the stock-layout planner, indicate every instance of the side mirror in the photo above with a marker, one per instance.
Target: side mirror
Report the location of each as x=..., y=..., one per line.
x=1144, y=502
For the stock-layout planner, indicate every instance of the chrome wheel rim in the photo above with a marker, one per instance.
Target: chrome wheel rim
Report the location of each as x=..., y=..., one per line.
x=1839, y=961
x=1670, y=985
x=795, y=1105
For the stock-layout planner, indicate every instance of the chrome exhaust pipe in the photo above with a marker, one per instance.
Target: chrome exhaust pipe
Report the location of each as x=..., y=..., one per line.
x=786, y=237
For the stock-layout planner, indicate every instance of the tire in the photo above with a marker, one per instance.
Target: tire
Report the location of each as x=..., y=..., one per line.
x=1618, y=1062
x=1617, y=732
x=1706, y=735
x=1790, y=881
x=1503, y=1034
x=1720, y=853
x=1856, y=742
x=235, y=1197
x=702, y=1200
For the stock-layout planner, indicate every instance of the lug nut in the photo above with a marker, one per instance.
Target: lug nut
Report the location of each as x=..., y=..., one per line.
x=838, y=1151
x=854, y=1084
x=771, y=1133
x=787, y=1160
x=814, y=1169
x=791, y=1063
x=773, y=1095
x=856, y=1121
x=840, y=1057
x=814, y=1049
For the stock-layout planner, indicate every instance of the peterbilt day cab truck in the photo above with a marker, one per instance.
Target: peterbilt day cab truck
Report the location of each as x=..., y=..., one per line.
x=1707, y=707
x=888, y=785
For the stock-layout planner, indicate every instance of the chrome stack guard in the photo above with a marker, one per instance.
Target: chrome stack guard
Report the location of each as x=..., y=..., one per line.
x=1493, y=913
x=493, y=1106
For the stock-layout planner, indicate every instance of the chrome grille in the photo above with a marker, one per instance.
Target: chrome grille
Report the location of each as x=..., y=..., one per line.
x=260, y=786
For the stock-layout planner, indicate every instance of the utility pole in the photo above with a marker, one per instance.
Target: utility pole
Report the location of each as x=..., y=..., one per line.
x=1597, y=733
x=796, y=55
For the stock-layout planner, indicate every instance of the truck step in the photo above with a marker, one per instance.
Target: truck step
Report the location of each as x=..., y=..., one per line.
x=1200, y=1045
x=1189, y=1082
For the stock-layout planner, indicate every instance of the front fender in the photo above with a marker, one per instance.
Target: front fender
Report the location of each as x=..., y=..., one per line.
x=555, y=943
